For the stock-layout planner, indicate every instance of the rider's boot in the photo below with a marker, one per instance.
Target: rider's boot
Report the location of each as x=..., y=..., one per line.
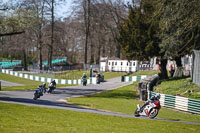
x=138, y=107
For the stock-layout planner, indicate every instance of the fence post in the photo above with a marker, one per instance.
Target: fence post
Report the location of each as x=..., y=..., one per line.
x=0, y=85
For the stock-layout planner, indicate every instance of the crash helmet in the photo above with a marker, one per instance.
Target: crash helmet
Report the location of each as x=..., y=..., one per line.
x=44, y=84
x=157, y=96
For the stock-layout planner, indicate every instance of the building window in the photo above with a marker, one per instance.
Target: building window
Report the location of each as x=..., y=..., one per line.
x=115, y=63
x=133, y=63
x=112, y=63
x=130, y=63
x=121, y=63
x=109, y=63
x=127, y=63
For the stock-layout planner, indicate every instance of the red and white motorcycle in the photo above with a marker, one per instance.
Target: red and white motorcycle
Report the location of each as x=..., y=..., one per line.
x=151, y=110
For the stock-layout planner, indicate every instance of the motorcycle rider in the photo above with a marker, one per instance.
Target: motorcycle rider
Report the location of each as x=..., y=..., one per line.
x=54, y=83
x=98, y=76
x=52, y=86
x=43, y=87
x=151, y=100
x=40, y=90
x=84, y=77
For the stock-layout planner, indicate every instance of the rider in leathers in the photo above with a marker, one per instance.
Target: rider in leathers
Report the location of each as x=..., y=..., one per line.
x=152, y=99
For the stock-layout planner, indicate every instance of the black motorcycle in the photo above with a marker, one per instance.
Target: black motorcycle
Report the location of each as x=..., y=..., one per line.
x=38, y=93
x=51, y=88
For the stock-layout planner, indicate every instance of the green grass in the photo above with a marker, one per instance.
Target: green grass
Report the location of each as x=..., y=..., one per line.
x=27, y=84
x=145, y=72
x=109, y=75
x=75, y=74
x=26, y=119
x=78, y=74
x=124, y=100
x=182, y=87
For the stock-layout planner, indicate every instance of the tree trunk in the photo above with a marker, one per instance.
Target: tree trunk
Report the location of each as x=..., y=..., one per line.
x=179, y=70
x=25, y=60
x=40, y=49
x=163, y=64
x=52, y=37
x=98, y=54
x=118, y=49
x=178, y=61
x=40, y=46
x=87, y=26
x=50, y=53
x=92, y=53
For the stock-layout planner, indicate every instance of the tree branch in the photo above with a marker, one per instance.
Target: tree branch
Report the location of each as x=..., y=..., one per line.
x=12, y=33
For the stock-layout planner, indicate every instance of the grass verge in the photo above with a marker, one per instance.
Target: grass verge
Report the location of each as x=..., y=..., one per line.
x=182, y=87
x=27, y=84
x=124, y=100
x=25, y=119
x=77, y=74
x=109, y=75
x=145, y=72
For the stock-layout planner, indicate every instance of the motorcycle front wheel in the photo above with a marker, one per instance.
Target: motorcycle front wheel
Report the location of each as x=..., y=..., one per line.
x=136, y=113
x=153, y=113
x=35, y=97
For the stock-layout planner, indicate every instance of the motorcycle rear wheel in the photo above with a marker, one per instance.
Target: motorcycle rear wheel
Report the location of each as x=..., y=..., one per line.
x=153, y=113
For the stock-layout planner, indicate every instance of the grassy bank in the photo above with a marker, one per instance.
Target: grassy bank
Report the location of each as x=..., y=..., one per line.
x=27, y=84
x=145, y=72
x=25, y=119
x=124, y=100
x=182, y=87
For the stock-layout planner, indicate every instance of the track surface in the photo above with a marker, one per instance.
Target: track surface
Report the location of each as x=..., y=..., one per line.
x=57, y=99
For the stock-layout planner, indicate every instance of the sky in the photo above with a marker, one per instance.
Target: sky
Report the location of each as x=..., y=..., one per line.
x=64, y=9
x=61, y=10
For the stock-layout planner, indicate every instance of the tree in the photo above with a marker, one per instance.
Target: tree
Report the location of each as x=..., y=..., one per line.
x=86, y=7
x=35, y=12
x=10, y=25
x=116, y=10
x=139, y=34
x=179, y=32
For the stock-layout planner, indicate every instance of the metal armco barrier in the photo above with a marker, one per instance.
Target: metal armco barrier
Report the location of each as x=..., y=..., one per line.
x=44, y=79
x=179, y=103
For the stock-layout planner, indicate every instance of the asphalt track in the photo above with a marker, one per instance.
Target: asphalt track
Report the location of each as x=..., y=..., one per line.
x=57, y=99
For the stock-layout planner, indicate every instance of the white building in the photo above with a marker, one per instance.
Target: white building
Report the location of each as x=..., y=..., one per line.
x=119, y=65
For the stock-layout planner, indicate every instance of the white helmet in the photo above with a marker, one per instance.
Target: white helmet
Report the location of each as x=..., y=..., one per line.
x=157, y=96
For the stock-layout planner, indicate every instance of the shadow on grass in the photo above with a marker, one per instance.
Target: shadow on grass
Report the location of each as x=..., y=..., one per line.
x=173, y=79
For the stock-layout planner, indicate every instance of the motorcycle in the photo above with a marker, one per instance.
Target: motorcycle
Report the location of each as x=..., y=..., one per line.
x=37, y=94
x=151, y=110
x=51, y=88
x=84, y=81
